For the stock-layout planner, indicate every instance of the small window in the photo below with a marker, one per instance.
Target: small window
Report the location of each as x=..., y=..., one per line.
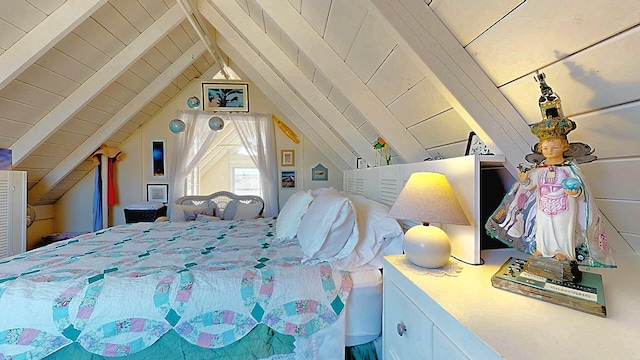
x=246, y=181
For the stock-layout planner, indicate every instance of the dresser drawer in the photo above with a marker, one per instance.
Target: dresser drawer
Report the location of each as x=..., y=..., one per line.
x=408, y=333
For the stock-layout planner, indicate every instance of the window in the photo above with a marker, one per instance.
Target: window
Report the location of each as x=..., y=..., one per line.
x=246, y=181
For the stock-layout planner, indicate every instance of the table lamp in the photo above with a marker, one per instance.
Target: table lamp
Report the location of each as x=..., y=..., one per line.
x=428, y=198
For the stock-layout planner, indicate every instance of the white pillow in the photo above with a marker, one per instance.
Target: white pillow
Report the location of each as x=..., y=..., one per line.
x=327, y=231
x=201, y=217
x=291, y=214
x=236, y=210
x=379, y=235
x=177, y=211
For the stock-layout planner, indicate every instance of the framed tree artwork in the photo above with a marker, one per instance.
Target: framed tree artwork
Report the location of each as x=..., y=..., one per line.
x=225, y=97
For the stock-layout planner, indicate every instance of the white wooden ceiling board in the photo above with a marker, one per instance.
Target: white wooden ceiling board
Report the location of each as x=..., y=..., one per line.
x=369, y=133
x=355, y=117
x=64, y=65
x=306, y=65
x=334, y=68
x=275, y=88
x=168, y=49
x=634, y=242
x=92, y=115
x=40, y=162
x=43, y=37
x=171, y=89
x=150, y=108
x=455, y=15
x=35, y=174
x=612, y=132
x=394, y=77
x=116, y=24
x=77, y=48
x=129, y=127
x=575, y=25
x=53, y=150
x=119, y=92
x=12, y=128
x=191, y=73
x=623, y=215
x=128, y=114
x=297, y=4
x=106, y=104
x=447, y=151
x=607, y=172
x=345, y=19
x=338, y=99
x=78, y=126
x=161, y=99
x=191, y=32
x=419, y=103
x=20, y=112
x=201, y=64
x=155, y=8
x=316, y=12
x=255, y=11
x=118, y=137
x=47, y=6
x=322, y=83
x=96, y=35
x=132, y=81
x=25, y=93
x=272, y=29
x=21, y=14
x=243, y=4
x=95, y=84
x=371, y=47
x=47, y=80
x=143, y=70
x=446, y=128
x=9, y=34
x=289, y=47
x=134, y=12
x=156, y=59
x=599, y=77
x=6, y=141
x=181, y=39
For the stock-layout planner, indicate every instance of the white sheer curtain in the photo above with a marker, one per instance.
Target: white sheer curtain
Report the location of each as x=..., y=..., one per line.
x=188, y=148
x=257, y=134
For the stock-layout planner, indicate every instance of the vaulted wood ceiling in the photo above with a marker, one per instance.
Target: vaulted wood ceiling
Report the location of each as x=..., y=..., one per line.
x=75, y=74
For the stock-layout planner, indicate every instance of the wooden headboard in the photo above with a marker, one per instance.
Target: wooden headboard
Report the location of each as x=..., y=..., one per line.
x=384, y=183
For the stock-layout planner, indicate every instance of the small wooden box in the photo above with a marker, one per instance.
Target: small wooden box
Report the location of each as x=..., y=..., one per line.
x=134, y=216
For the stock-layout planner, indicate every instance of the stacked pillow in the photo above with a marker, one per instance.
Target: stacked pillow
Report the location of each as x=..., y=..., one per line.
x=236, y=210
x=181, y=213
x=350, y=230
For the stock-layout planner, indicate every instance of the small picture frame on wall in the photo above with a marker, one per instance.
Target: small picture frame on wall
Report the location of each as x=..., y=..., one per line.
x=475, y=146
x=158, y=159
x=287, y=158
x=361, y=164
x=158, y=192
x=288, y=179
x=319, y=173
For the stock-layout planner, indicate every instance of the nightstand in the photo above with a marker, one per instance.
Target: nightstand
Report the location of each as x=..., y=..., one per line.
x=144, y=215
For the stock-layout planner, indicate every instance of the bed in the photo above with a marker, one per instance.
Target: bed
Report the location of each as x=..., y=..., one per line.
x=300, y=286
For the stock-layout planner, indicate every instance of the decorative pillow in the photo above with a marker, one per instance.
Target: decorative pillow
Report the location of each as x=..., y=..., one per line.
x=291, y=214
x=192, y=214
x=327, y=231
x=177, y=211
x=379, y=235
x=202, y=217
x=236, y=210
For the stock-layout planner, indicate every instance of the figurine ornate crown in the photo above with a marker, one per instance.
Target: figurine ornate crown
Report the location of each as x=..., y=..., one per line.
x=553, y=125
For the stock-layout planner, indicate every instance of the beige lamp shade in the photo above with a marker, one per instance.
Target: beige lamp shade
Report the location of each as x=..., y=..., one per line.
x=428, y=197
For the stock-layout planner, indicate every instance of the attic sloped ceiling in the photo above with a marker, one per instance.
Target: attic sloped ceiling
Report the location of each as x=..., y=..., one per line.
x=75, y=74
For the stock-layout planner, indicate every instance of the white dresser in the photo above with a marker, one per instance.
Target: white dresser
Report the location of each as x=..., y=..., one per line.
x=13, y=210
x=464, y=317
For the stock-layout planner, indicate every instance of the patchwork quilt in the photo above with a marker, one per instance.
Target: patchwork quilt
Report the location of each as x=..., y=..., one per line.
x=118, y=290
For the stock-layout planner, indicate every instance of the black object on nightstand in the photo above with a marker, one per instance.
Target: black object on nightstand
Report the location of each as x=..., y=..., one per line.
x=147, y=215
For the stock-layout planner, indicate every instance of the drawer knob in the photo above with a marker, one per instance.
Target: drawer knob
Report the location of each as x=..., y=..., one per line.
x=401, y=328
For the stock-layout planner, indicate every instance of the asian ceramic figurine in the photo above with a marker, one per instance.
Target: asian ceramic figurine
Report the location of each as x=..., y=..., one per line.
x=549, y=211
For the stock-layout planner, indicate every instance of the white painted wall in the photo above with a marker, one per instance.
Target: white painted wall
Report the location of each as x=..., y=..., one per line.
x=73, y=212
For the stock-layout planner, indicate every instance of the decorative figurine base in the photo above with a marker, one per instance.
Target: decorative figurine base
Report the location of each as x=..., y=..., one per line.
x=586, y=295
x=551, y=268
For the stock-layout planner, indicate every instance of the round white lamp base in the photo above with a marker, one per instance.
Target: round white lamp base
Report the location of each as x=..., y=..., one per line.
x=427, y=246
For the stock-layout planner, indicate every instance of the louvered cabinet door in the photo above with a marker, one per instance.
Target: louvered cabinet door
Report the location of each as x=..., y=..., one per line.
x=13, y=212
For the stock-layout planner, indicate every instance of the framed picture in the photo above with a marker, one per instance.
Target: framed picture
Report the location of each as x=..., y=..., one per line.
x=288, y=179
x=225, y=97
x=476, y=146
x=158, y=159
x=158, y=192
x=287, y=157
x=319, y=173
x=361, y=164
